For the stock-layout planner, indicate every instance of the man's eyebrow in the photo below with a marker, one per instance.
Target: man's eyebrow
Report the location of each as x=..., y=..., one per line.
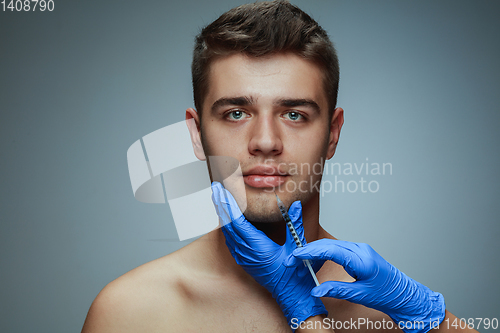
x=290, y=102
x=239, y=101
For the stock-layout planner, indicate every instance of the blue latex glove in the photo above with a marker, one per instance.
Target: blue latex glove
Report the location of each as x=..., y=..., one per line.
x=263, y=259
x=379, y=285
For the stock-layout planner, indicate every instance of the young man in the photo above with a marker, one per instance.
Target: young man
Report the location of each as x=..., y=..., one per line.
x=265, y=81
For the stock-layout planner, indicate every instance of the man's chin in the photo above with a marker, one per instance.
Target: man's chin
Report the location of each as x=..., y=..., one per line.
x=262, y=217
x=262, y=206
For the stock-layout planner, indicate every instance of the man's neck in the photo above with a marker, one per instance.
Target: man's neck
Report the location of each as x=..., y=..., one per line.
x=220, y=258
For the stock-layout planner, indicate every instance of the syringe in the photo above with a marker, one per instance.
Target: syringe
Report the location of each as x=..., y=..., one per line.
x=294, y=235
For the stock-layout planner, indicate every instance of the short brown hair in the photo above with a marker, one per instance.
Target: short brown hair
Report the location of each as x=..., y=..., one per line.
x=261, y=29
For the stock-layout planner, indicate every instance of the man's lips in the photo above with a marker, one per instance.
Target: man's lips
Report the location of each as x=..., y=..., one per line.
x=264, y=176
x=264, y=180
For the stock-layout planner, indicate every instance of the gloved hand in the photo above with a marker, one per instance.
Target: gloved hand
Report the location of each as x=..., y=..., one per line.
x=379, y=285
x=263, y=259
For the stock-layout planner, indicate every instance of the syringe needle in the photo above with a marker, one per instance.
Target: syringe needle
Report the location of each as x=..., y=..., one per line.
x=295, y=236
x=308, y=264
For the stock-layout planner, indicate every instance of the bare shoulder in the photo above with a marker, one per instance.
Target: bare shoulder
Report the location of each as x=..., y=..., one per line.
x=141, y=300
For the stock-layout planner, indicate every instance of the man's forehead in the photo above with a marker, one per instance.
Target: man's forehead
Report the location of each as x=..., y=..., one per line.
x=269, y=79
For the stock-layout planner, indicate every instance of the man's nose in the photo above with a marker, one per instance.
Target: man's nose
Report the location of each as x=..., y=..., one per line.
x=265, y=137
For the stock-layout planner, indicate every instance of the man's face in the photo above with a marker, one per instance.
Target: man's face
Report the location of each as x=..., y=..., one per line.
x=271, y=114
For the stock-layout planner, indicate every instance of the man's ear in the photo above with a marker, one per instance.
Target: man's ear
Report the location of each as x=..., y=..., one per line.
x=335, y=127
x=193, y=124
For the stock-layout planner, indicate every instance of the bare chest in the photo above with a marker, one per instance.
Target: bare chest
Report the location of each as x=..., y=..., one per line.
x=231, y=306
x=236, y=309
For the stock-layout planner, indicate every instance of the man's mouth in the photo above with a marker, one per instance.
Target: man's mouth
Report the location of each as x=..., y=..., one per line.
x=264, y=176
x=264, y=180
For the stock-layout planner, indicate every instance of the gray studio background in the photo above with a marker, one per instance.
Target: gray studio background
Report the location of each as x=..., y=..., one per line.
x=420, y=89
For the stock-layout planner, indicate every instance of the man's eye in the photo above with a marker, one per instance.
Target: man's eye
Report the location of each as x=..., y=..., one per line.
x=295, y=116
x=236, y=115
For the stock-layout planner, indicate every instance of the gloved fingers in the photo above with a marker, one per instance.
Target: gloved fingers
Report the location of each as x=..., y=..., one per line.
x=252, y=245
x=227, y=209
x=292, y=261
x=240, y=250
x=225, y=205
x=351, y=291
x=295, y=213
x=314, y=251
x=317, y=264
x=241, y=231
x=342, y=252
x=252, y=237
x=231, y=239
x=300, y=272
x=235, y=252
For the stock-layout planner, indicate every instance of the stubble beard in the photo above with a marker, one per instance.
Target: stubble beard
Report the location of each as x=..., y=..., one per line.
x=262, y=206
